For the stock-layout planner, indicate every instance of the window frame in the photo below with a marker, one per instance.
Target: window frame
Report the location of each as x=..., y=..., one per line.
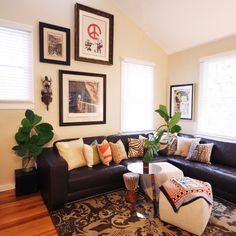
x=21, y=105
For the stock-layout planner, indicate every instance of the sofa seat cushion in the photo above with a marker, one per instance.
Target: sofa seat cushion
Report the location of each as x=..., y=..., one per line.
x=220, y=176
x=85, y=178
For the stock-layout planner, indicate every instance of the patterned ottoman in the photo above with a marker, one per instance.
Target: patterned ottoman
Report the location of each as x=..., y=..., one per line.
x=189, y=207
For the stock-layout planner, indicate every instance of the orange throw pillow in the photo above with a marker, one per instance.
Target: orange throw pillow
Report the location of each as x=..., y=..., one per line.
x=104, y=151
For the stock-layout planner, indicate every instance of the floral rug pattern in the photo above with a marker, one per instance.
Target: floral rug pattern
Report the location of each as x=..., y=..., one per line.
x=110, y=214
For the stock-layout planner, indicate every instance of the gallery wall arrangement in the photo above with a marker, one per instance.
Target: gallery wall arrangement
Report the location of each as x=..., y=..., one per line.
x=82, y=95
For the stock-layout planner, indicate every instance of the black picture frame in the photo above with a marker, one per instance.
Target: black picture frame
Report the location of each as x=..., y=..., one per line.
x=57, y=53
x=76, y=92
x=181, y=99
x=99, y=48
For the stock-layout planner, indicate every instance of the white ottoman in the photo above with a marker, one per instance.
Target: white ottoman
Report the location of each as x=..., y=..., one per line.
x=167, y=171
x=192, y=217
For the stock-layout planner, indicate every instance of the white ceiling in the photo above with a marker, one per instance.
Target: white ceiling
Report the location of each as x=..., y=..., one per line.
x=180, y=24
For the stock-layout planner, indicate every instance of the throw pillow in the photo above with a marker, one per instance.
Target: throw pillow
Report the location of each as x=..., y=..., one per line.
x=72, y=152
x=183, y=145
x=104, y=151
x=136, y=148
x=118, y=151
x=91, y=154
x=200, y=152
x=165, y=148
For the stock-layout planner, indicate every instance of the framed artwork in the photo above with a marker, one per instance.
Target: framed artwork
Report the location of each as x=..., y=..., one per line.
x=82, y=98
x=181, y=99
x=93, y=35
x=54, y=44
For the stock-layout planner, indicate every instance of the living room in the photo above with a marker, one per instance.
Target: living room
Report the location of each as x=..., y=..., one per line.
x=169, y=44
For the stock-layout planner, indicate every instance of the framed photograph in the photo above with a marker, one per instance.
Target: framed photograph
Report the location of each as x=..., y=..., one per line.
x=54, y=44
x=82, y=98
x=181, y=99
x=93, y=35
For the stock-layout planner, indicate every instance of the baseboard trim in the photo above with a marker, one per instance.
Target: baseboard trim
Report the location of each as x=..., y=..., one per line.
x=6, y=187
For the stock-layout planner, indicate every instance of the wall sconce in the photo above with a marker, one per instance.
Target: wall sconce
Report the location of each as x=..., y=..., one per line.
x=46, y=92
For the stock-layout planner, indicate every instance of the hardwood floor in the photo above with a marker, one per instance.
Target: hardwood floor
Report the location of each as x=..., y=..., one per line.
x=25, y=215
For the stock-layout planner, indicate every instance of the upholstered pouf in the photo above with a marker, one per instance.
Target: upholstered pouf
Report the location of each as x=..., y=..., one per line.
x=192, y=217
x=167, y=171
x=131, y=184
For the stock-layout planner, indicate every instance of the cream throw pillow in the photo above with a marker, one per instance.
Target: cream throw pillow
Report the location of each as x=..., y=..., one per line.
x=91, y=155
x=118, y=151
x=183, y=145
x=72, y=152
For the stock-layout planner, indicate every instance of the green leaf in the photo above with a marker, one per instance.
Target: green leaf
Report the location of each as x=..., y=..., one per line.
x=163, y=114
x=16, y=148
x=43, y=128
x=148, y=156
x=163, y=108
x=29, y=115
x=26, y=130
x=34, y=139
x=175, y=129
x=20, y=137
x=174, y=120
x=34, y=150
x=44, y=138
x=37, y=119
x=26, y=123
x=21, y=150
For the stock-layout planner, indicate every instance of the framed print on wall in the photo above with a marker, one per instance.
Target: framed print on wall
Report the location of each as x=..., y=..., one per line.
x=181, y=99
x=93, y=35
x=54, y=44
x=82, y=98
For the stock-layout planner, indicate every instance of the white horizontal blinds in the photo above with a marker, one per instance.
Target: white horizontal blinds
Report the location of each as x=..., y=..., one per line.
x=217, y=97
x=15, y=65
x=137, y=96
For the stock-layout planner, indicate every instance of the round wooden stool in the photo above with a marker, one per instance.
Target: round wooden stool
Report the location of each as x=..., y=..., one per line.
x=131, y=184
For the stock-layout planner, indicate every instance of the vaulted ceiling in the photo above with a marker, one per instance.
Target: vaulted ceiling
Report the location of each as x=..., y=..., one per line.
x=180, y=24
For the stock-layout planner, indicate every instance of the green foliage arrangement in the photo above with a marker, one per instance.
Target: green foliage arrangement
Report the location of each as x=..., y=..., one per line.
x=152, y=145
x=32, y=136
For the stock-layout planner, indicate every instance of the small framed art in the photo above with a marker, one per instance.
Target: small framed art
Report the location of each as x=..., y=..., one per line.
x=54, y=44
x=181, y=100
x=93, y=35
x=82, y=98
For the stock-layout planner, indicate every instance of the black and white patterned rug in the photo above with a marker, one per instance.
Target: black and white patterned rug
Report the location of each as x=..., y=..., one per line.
x=109, y=214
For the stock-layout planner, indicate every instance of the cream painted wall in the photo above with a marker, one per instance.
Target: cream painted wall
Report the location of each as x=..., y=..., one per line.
x=184, y=68
x=129, y=41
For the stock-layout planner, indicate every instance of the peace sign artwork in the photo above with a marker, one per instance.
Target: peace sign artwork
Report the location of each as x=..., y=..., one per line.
x=93, y=35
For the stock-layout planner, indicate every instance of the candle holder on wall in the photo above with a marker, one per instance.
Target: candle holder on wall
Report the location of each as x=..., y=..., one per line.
x=46, y=92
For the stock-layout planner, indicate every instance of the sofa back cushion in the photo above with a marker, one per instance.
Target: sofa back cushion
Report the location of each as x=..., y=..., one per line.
x=222, y=152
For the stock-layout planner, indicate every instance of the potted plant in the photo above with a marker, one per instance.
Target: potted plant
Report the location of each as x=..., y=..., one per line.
x=31, y=137
x=152, y=144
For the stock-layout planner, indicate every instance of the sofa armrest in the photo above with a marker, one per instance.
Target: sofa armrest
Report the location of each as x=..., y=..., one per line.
x=53, y=178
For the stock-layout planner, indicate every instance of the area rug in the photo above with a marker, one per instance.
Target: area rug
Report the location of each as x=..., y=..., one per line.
x=109, y=214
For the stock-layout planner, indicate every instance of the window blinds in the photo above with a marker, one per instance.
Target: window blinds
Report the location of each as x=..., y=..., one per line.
x=217, y=97
x=137, y=96
x=15, y=65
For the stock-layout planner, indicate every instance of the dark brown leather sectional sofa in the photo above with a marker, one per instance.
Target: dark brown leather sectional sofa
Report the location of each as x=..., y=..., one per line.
x=58, y=185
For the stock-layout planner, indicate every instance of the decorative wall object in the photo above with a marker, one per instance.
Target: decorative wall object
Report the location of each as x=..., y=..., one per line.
x=93, y=35
x=181, y=99
x=82, y=98
x=46, y=92
x=54, y=44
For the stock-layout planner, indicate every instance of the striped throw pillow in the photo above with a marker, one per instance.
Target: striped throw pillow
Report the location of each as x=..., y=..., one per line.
x=136, y=148
x=104, y=151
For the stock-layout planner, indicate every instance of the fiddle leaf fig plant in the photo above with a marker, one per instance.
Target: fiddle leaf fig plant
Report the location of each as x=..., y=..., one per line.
x=31, y=137
x=152, y=144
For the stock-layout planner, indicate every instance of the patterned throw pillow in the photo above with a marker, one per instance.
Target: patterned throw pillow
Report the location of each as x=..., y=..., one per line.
x=166, y=149
x=200, y=152
x=136, y=148
x=118, y=151
x=104, y=151
x=183, y=145
x=72, y=152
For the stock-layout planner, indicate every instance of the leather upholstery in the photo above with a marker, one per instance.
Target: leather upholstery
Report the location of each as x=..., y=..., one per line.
x=59, y=186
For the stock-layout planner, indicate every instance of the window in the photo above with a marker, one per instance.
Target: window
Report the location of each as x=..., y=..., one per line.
x=217, y=97
x=16, y=82
x=137, y=105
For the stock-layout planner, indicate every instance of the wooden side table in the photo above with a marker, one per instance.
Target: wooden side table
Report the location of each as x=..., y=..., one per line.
x=26, y=182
